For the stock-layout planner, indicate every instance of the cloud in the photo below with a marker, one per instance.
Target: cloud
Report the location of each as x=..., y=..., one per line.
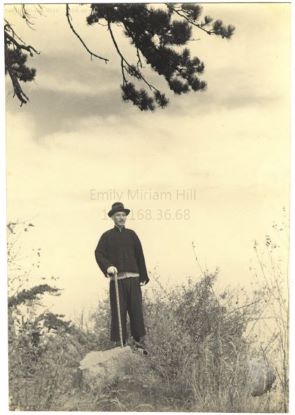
x=54, y=110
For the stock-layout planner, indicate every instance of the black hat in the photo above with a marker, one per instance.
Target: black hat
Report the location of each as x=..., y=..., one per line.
x=118, y=207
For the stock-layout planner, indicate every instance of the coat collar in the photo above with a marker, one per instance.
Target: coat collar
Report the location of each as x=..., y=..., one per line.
x=118, y=228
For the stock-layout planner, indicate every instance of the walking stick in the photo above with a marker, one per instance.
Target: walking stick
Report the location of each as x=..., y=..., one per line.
x=118, y=309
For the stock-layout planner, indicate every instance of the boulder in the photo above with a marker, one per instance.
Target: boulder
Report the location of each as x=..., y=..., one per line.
x=99, y=368
x=261, y=376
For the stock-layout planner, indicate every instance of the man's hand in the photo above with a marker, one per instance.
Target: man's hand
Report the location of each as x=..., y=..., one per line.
x=111, y=270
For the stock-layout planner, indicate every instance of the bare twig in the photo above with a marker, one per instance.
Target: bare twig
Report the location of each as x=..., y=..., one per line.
x=18, y=45
x=139, y=61
x=196, y=258
x=92, y=54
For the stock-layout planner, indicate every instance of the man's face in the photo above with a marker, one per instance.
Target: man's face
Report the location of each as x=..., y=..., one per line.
x=119, y=218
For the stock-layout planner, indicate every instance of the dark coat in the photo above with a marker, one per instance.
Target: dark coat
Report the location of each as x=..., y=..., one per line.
x=122, y=249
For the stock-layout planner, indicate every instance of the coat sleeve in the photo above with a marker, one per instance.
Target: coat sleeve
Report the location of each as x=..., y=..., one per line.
x=101, y=255
x=140, y=260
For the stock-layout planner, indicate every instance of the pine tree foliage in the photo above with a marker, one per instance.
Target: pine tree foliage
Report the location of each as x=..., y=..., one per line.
x=16, y=62
x=159, y=35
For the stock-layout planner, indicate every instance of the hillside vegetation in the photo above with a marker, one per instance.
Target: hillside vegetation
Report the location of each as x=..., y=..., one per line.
x=206, y=348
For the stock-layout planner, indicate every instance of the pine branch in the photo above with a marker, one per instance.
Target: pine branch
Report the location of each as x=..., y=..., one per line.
x=139, y=61
x=199, y=26
x=218, y=28
x=130, y=67
x=12, y=43
x=18, y=45
x=68, y=15
x=17, y=89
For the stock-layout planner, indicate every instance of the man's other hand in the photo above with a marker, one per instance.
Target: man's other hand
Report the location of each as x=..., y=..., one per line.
x=112, y=270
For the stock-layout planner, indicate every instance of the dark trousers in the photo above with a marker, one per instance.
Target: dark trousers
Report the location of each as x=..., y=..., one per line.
x=130, y=297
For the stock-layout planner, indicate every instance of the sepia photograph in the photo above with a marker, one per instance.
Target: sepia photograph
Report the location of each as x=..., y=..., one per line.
x=147, y=226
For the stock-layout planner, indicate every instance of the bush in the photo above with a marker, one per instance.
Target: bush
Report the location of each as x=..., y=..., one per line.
x=201, y=349
x=44, y=356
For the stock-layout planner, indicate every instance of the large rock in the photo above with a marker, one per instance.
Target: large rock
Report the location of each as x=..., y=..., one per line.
x=261, y=376
x=99, y=368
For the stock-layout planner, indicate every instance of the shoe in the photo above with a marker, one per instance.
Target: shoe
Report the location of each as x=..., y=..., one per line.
x=140, y=346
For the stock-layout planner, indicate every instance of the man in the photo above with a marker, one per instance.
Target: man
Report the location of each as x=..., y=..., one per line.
x=119, y=250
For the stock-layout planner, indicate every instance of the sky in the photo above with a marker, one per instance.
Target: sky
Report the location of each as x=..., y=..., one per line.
x=212, y=168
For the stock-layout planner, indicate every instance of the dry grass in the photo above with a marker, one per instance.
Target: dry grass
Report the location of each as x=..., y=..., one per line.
x=200, y=341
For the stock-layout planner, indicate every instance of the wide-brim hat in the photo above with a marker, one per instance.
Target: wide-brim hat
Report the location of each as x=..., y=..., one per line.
x=118, y=207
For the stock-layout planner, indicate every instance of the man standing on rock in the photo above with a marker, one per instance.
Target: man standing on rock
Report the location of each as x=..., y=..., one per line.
x=119, y=251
